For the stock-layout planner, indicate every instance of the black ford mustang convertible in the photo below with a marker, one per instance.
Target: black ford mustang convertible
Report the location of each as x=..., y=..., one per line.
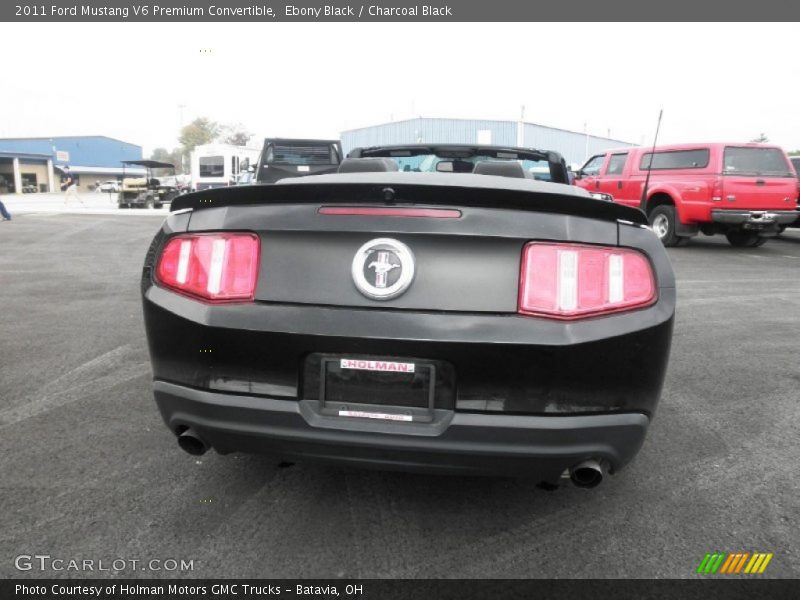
x=426, y=308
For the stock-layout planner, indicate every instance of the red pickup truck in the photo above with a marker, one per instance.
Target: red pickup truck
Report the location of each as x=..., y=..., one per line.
x=748, y=192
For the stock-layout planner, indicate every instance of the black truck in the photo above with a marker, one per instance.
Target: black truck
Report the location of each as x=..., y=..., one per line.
x=282, y=158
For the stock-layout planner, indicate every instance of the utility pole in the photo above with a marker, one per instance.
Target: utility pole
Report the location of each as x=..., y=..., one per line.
x=180, y=127
x=586, y=148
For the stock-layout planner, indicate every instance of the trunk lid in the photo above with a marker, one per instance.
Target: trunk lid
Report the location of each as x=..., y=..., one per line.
x=450, y=272
x=466, y=256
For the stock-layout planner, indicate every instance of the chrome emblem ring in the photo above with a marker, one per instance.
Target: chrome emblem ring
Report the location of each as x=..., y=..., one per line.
x=383, y=268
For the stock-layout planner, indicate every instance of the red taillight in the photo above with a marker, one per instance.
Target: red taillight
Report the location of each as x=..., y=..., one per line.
x=716, y=191
x=218, y=267
x=572, y=281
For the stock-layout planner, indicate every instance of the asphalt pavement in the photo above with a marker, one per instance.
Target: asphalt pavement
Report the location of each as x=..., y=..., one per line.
x=88, y=203
x=88, y=471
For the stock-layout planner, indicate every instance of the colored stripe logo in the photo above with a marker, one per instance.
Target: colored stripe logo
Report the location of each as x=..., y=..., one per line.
x=734, y=563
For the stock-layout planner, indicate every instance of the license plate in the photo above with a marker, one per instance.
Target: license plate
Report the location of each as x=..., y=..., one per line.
x=376, y=365
x=370, y=388
x=365, y=414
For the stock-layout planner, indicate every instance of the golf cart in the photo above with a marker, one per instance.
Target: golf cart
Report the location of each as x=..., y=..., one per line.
x=145, y=192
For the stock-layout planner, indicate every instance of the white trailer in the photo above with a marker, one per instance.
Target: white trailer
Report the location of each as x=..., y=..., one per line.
x=218, y=165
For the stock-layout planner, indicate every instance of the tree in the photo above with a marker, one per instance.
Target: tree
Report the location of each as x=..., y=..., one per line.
x=794, y=153
x=760, y=139
x=234, y=134
x=175, y=157
x=198, y=132
x=201, y=131
x=161, y=154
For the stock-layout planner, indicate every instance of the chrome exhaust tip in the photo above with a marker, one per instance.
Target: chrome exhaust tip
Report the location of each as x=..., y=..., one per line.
x=190, y=442
x=588, y=474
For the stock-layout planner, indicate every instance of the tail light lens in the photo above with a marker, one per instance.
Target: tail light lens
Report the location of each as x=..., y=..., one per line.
x=572, y=281
x=217, y=267
x=716, y=191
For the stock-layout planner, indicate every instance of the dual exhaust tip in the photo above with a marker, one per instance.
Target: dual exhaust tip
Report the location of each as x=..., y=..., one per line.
x=586, y=474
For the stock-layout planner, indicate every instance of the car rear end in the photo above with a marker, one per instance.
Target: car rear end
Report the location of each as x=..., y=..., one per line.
x=531, y=338
x=757, y=190
x=795, y=160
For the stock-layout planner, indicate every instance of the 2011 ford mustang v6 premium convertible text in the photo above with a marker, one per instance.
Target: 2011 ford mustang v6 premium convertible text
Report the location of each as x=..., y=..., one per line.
x=461, y=317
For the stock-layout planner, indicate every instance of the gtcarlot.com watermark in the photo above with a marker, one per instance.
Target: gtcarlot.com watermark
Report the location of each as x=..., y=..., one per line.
x=47, y=563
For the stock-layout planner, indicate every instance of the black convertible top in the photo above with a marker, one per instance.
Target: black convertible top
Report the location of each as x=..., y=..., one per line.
x=454, y=151
x=558, y=168
x=399, y=188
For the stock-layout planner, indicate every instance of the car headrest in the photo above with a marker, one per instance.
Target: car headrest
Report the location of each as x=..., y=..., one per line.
x=500, y=168
x=367, y=165
x=462, y=166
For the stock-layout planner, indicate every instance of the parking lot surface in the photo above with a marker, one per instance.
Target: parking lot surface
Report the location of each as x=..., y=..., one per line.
x=91, y=203
x=89, y=471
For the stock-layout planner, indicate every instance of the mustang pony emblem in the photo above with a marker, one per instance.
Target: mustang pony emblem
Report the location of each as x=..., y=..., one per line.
x=383, y=268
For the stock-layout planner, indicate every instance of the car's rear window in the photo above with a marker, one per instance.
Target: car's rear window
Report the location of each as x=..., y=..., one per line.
x=318, y=154
x=796, y=163
x=761, y=162
x=675, y=159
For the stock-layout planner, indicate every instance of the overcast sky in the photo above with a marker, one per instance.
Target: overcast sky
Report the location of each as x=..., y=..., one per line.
x=715, y=82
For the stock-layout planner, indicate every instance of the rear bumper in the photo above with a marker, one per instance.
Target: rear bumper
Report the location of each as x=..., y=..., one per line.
x=495, y=363
x=754, y=219
x=469, y=443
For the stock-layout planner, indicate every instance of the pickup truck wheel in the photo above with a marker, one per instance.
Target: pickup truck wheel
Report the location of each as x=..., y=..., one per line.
x=662, y=220
x=745, y=239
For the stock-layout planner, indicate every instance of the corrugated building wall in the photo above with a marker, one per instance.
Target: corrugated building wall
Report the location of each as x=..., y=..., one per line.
x=574, y=146
x=88, y=150
x=30, y=162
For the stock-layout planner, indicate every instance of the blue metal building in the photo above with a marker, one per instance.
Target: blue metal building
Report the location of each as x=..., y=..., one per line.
x=574, y=146
x=28, y=164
